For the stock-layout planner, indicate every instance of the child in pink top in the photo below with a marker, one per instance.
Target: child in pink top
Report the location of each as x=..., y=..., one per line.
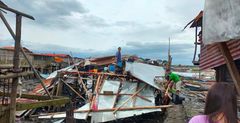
x=221, y=105
x=199, y=119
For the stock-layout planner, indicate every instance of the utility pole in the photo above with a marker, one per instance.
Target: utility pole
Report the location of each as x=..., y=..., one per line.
x=169, y=56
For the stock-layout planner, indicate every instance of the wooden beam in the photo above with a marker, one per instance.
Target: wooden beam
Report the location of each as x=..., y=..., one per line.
x=16, y=12
x=32, y=96
x=112, y=109
x=99, y=73
x=32, y=105
x=129, y=99
x=16, y=66
x=35, y=72
x=74, y=90
x=117, y=95
x=127, y=109
x=134, y=99
x=232, y=68
x=14, y=75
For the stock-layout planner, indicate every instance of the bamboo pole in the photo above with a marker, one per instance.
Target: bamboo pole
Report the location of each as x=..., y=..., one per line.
x=129, y=99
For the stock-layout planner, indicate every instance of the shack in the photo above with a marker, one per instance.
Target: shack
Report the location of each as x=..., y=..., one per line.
x=210, y=56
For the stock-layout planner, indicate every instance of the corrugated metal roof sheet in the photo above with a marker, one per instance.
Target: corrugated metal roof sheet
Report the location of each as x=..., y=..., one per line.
x=146, y=72
x=211, y=56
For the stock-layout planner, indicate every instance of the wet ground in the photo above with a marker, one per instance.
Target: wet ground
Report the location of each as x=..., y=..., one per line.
x=175, y=114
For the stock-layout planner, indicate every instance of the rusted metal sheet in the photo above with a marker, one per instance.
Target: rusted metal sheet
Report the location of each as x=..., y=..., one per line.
x=103, y=60
x=211, y=56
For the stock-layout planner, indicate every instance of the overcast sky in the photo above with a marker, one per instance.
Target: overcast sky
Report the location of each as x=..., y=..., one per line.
x=98, y=27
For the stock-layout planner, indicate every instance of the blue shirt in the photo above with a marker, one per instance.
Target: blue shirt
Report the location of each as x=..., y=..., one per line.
x=119, y=56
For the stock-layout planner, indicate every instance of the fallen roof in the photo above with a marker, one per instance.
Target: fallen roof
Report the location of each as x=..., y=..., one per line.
x=103, y=60
x=106, y=103
x=145, y=72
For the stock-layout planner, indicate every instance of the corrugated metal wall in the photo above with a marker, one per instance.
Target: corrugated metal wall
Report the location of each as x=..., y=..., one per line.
x=211, y=56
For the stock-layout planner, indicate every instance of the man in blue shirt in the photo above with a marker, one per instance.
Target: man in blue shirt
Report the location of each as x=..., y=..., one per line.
x=118, y=57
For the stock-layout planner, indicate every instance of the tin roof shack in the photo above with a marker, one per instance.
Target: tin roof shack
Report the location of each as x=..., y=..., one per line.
x=6, y=56
x=210, y=55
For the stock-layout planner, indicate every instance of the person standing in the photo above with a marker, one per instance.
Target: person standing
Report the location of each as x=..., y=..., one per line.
x=118, y=58
x=174, y=84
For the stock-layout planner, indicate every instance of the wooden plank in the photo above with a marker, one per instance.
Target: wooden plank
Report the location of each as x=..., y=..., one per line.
x=127, y=109
x=32, y=105
x=112, y=109
x=129, y=99
x=134, y=99
x=232, y=68
x=92, y=73
x=32, y=96
x=117, y=95
x=14, y=75
x=59, y=88
x=74, y=90
x=142, y=97
x=94, y=98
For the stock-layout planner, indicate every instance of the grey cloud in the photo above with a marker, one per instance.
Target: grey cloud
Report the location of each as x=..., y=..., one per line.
x=48, y=12
x=152, y=31
x=94, y=21
x=126, y=23
x=181, y=53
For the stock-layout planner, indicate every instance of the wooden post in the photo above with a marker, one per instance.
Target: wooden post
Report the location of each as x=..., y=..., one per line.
x=70, y=113
x=16, y=68
x=232, y=68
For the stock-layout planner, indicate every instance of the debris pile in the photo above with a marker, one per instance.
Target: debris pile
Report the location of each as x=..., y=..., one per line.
x=103, y=96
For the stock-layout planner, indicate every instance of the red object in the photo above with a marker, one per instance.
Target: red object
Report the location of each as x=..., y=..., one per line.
x=95, y=104
x=53, y=55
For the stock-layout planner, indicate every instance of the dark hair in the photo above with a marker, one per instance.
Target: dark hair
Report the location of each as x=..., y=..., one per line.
x=167, y=77
x=222, y=99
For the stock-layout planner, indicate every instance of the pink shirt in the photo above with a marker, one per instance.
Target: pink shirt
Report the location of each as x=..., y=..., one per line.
x=199, y=119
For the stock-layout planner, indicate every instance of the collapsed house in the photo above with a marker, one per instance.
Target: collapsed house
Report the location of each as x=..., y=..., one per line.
x=103, y=96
